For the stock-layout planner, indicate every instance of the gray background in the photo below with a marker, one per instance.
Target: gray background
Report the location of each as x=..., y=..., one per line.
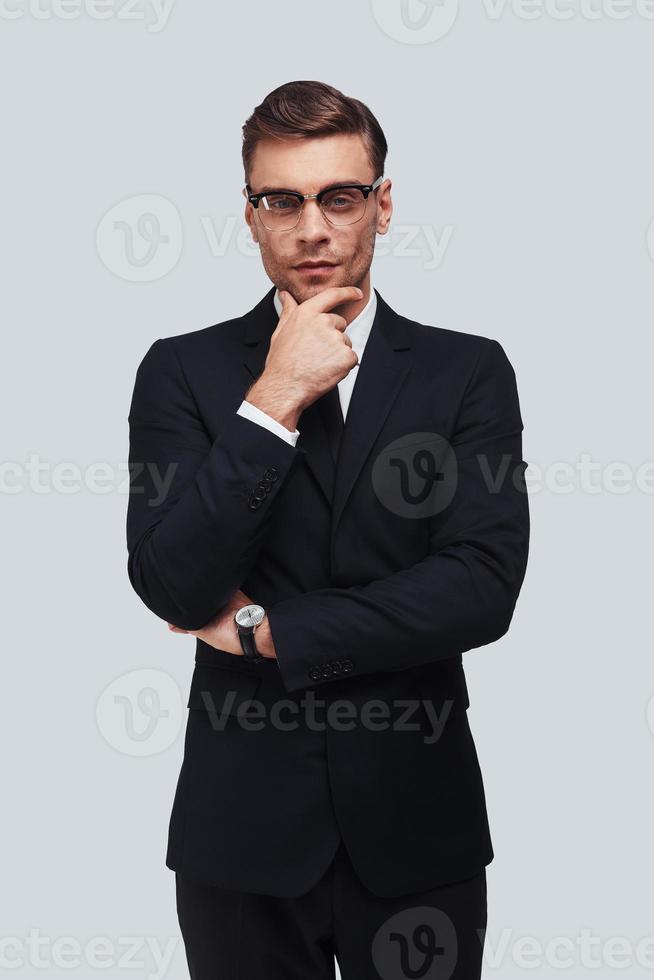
x=522, y=144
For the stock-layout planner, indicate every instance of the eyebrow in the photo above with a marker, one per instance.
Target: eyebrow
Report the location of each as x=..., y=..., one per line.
x=270, y=188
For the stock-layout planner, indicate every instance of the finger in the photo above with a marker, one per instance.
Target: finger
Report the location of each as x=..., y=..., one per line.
x=326, y=299
x=339, y=322
x=288, y=302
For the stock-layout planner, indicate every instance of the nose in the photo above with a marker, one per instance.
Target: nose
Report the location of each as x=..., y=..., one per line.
x=312, y=226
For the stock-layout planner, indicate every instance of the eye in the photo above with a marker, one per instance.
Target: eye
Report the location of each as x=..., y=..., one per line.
x=281, y=202
x=340, y=199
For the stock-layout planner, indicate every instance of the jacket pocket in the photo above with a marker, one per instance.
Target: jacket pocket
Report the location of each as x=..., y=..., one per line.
x=220, y=691
x=443, y=686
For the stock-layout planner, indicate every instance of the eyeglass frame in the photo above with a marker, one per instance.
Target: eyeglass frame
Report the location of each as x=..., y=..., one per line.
x=366, y=189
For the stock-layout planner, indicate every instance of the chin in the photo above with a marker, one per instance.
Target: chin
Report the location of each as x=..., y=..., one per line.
x=311, y=288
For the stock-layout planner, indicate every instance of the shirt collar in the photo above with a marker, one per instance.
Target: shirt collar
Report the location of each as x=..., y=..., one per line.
x=359, y=329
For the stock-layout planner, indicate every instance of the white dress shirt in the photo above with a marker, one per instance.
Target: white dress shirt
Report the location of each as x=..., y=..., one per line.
x=358, y=331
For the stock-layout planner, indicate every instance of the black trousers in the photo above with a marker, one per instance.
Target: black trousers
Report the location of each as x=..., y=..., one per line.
x=234, y=935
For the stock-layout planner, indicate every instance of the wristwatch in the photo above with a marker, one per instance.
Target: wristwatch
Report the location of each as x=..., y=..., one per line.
x=247, y=619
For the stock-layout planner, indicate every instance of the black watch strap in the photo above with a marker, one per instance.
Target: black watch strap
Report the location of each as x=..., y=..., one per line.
x=248, y=644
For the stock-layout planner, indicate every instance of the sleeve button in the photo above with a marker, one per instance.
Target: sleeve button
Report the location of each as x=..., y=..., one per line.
x=271, y=474
x=314, y=673
x=254, y=502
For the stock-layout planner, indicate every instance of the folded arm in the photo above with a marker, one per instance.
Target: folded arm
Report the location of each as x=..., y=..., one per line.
x=193, y=530
x=463, y=593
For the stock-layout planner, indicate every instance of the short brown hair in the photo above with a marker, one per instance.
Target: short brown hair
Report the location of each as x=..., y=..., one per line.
x=301, y=110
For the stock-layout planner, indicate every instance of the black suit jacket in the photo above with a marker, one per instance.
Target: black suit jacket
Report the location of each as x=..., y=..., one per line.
x=378, y=573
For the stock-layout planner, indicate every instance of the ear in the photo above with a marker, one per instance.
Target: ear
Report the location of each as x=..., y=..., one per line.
x=251, y=221
x=384, y=207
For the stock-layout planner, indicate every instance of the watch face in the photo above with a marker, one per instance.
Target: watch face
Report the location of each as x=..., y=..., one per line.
x=251, y=615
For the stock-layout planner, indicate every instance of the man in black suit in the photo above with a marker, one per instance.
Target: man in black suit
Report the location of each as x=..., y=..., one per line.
x=330, y=497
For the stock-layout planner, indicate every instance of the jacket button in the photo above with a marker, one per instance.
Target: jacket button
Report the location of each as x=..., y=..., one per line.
x=347, y=665
x=254, y=502
x=327, y=670
x=314, y=673
x=264, y=485
x=271, y=474
x=259, y=493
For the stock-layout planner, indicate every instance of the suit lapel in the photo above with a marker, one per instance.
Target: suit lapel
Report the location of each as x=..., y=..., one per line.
x=258, y=326
x=383, y=368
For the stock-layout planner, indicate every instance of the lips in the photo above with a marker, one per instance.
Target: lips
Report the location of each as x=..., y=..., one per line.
x=315, y=265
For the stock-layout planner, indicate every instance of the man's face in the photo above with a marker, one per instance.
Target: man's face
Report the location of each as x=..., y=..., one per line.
x=307, y=166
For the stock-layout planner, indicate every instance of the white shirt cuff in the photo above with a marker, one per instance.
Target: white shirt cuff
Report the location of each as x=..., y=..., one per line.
x=249, y=411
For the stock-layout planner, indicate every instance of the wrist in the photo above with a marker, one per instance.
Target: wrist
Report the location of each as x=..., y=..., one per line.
x=274, y=398
x=264, y=640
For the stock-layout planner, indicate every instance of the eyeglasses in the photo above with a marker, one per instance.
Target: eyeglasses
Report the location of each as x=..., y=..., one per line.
x=341, y=204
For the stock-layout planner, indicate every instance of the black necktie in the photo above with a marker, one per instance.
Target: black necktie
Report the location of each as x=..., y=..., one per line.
x=330, y=406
